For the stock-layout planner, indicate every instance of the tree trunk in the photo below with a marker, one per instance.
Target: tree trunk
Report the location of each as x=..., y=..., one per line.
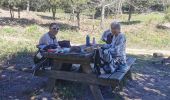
x=19, y=10
x=93, y=21
x=130, y=12
x=102, y=17
x=72, y=15
x=78, y=19
x=53, y=15
x=54, y=12
x=11, y=12
x=120, y=7
x=28, y=5
x=49, y=9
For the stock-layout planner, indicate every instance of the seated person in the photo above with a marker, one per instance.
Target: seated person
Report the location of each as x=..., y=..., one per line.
x=49, y=41
x=116, y=45
x=49, y=38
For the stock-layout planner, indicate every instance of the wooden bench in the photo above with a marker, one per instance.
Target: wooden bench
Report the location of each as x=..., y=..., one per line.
x=87, y=76
x=120, y=77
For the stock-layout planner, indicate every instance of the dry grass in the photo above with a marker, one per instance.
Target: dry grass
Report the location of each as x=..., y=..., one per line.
x=23, y=35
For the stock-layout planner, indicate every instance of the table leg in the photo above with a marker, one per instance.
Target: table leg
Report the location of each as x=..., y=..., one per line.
x=129, y=75
x=51, y=81
x=96, y=92
x=94, y=88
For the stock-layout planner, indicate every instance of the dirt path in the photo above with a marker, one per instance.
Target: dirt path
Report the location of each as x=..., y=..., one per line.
x=147, y=51
x=149, y=81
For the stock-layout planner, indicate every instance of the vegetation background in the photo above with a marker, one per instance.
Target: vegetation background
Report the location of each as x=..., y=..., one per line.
x=146, y=24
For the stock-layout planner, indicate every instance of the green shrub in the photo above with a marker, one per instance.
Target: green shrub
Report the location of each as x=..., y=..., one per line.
x=9, y=30
x=167, y=16
x=32, y=29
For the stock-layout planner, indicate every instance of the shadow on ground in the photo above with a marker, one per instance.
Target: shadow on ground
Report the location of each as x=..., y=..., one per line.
x=47, y=17
x=19, y=85
x=6, y=21
x=150, y=81
x=22, y=61
x=130, y=23
x=62, y=26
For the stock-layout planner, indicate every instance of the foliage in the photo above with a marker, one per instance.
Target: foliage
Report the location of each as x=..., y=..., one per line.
x=167, y=16
x=39, y=5
x=77, y=5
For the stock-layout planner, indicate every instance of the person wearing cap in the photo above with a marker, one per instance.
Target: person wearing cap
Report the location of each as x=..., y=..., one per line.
x=50, y=37
x=116, y=43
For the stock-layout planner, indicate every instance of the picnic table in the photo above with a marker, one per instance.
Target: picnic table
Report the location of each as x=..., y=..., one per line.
x=86, y=76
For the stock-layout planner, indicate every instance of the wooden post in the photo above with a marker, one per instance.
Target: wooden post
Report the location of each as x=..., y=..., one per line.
x=129, y=75
x=94, y=88
x=51, y=81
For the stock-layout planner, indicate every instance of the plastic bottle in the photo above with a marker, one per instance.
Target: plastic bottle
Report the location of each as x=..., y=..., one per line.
x=87, y=40
x=94, y=41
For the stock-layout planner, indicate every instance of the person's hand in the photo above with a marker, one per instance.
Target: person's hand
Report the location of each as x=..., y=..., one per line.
x=58, y=47
x=106, y=46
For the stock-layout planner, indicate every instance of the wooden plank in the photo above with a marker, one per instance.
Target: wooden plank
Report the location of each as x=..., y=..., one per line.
x=76, y=77
x=73, y=61
x=96, y=92
x=119, y=75
x=115, y=76
x=130, y=61
x=104, y=76
x=68, y=56
x=94, y=88
x=129, y=75
x=51, y=80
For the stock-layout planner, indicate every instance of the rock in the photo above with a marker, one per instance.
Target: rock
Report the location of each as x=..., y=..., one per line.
x=158, y=55
x=166, y=61
x=164, y=26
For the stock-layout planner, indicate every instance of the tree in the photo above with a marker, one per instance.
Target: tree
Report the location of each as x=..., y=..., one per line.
x=77, y=7
x=11, y=4
x=28, y=5
x=39, y=5
x=104, y=4
x=54, y=4
x=19, y=4
x=130, y=11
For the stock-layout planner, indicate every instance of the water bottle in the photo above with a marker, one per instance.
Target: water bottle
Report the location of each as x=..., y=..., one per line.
x=87, y=40
x=94, y=41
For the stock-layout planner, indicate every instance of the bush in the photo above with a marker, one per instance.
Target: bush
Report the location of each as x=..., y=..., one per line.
x=167, y=16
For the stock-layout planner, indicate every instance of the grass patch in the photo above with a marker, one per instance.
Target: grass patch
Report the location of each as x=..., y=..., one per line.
x=140, y=33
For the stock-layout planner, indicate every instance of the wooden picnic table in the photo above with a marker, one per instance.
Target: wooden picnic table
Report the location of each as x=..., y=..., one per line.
x=86, y=76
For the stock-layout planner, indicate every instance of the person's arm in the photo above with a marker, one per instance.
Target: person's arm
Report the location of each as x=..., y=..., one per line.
x=43, y=40
x=120, y=43
x=104, y=36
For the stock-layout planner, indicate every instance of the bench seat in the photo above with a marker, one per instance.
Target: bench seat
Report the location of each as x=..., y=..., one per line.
x=118, y=76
